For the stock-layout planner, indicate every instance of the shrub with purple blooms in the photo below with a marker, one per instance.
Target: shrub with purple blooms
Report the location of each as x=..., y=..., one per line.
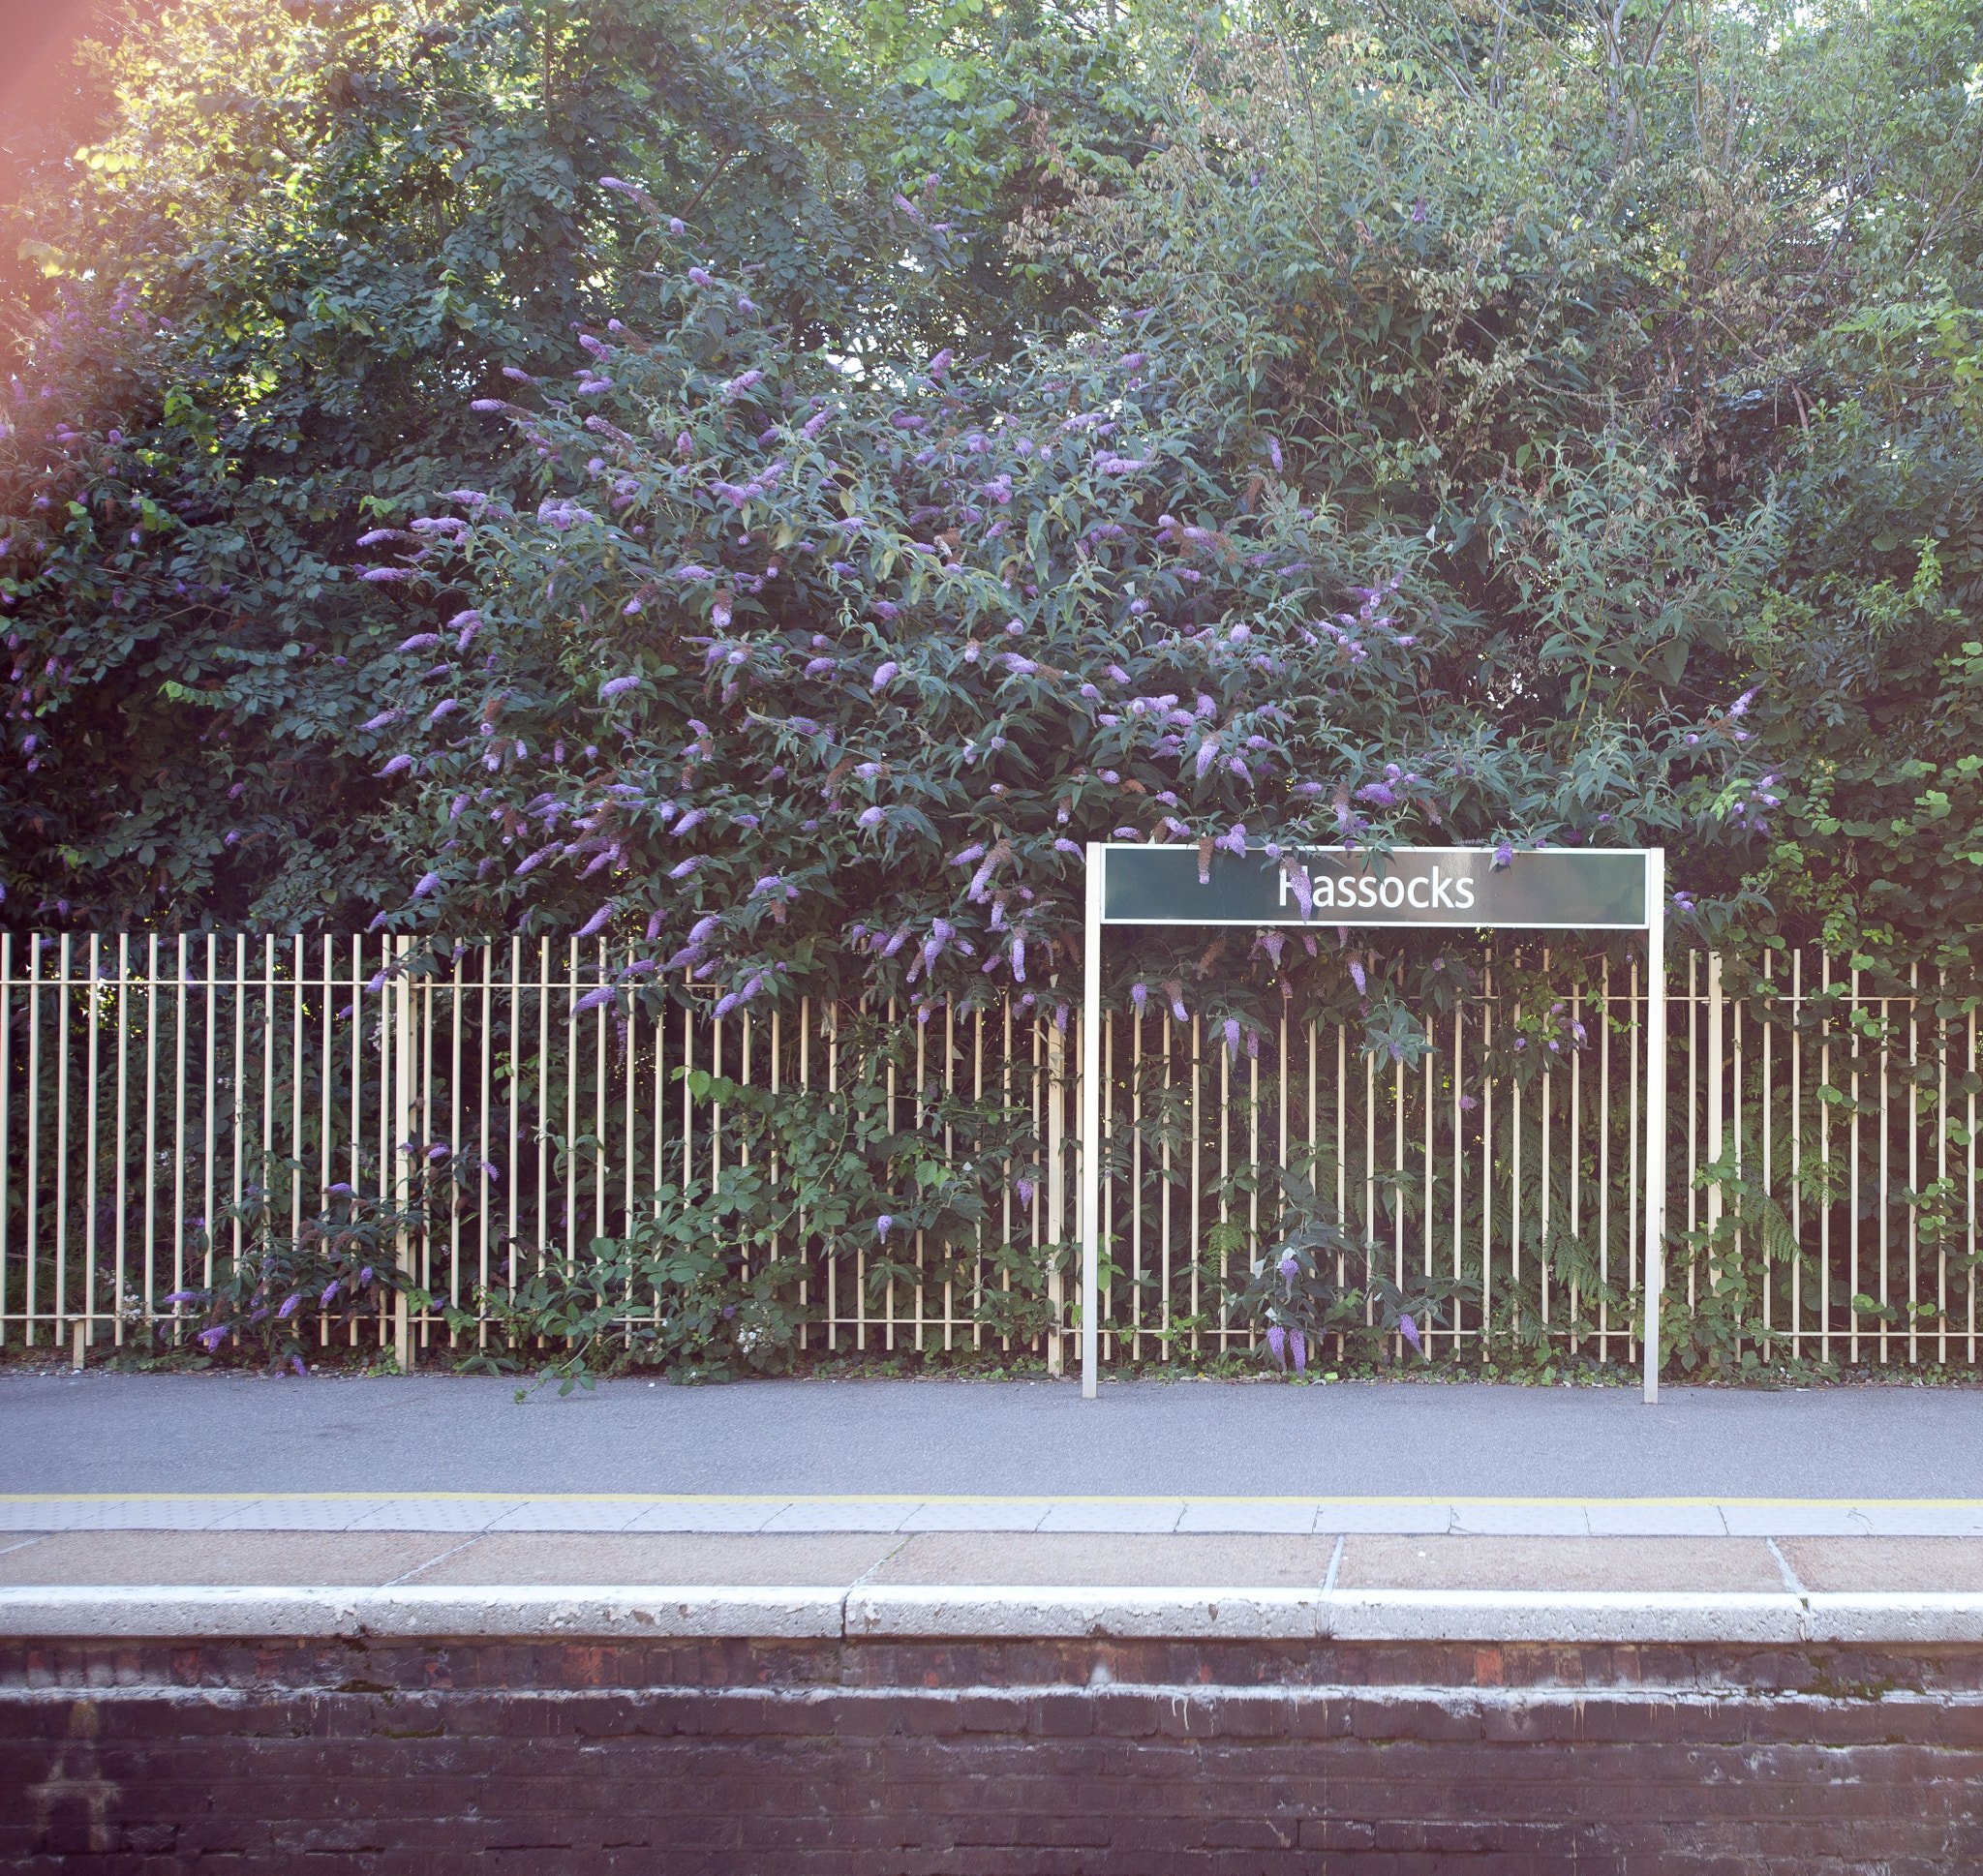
x=809, y=684
x=792, y=684
x=275, y=1296
x=1317, y=1288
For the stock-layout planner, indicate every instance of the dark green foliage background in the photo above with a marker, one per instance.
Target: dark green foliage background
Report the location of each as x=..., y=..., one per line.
x=1646, y=345
x=1578, y=410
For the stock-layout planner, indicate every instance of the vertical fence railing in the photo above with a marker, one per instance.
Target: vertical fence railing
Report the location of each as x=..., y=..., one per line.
x=1822, y=1147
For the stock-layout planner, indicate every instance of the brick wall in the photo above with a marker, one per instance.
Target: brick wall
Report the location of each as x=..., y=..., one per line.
x=1029, y=1759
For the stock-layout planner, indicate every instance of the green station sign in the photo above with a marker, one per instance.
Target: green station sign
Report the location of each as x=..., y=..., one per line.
x=1419, y=886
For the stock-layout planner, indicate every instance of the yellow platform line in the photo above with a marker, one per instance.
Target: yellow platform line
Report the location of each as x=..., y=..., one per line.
x=964, y=1499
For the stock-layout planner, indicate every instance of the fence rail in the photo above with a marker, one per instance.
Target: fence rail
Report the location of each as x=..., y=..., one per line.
x=147, y=1083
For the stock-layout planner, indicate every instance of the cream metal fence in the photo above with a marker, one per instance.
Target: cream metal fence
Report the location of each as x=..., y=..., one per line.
x=146, y=1082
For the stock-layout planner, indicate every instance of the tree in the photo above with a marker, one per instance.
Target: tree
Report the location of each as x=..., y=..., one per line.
x=817, y=687
x=1650, y=328
x=307, y=239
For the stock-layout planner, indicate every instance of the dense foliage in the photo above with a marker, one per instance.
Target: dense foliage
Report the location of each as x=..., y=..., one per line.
x=306, y=238
x=765, y=486
x=822, y=686
x=1659, y=330
x=1638, y=350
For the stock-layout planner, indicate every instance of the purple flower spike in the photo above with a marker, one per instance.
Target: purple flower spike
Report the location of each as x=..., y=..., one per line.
x=297, y=1362
x=1300, y=1342
x=211, y=1339
x=1289, y=1267
x=1410, y=1331
x=1277, y=1344
x=289, y=1307
x=365, y=1275
x=329, y=1297
x=883, y=1226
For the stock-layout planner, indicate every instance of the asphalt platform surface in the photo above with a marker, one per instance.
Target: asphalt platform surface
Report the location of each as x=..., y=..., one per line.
x=97, y=1433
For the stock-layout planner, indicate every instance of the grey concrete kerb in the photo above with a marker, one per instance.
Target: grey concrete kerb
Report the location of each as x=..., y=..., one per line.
x=912, y=1613
x=590, y=1613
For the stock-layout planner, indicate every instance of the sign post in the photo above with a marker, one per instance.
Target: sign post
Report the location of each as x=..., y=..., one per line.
x=1438, y=887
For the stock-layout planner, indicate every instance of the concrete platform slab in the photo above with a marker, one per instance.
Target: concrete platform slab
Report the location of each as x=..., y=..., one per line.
x=1404, y=1516
x=1259, y=1514
x=1793, y=1519
x=1000, y=1514
x=694, y=1558
x=1537, y=1520
x=1640, y=1564
x=692, y=1515
x=1880, y=1563
x=115, y=1511
x=1108, y=1559
x=437, y=1514
x=841, y=1515
x=1611, y=1518
x=558, y=1514
x=77, y=1558
x=466, y=1513
x=1920, y=1520
x=1104, y=1514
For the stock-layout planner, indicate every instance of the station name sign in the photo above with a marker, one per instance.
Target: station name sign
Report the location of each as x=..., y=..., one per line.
x=1418, y=885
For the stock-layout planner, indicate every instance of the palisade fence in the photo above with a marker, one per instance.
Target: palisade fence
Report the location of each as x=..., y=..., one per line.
x=147, y=1083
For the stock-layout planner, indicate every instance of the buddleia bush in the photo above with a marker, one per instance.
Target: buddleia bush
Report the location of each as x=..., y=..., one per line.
x=808, y=685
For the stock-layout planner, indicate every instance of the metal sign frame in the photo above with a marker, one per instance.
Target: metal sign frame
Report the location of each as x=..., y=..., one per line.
x=1654, y=860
